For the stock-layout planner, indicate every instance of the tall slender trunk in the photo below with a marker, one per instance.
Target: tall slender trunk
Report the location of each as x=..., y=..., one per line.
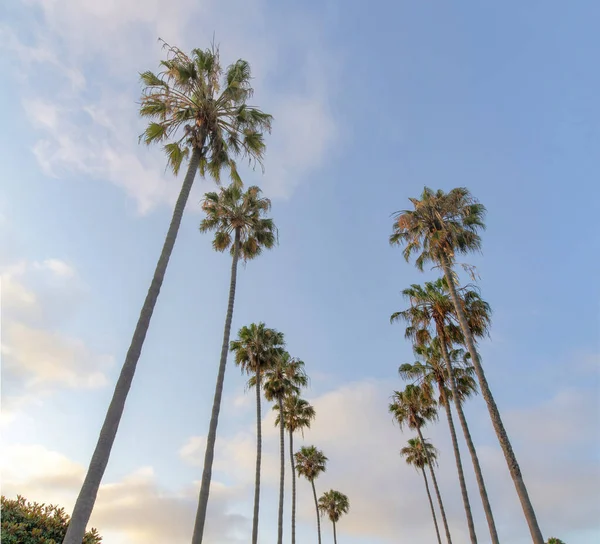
x=214, y=418
x=312, y=482
x=334, y=534
x=463, y=422
x=435, y=486
x=281, y=473
x=509, y=455
x=293, y=487
x=258, y=456
x=437, y=529
x=89, y=491
x=459, y=468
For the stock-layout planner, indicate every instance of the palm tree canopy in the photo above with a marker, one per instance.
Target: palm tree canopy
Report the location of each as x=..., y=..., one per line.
x=284, y=377
x=412, y=407
x=441, y=224
x=310, y=462
x=192, y=103
x=333, y=504
x=231, y=209
x=297, y=413
x=414, y=454
x=255, y=348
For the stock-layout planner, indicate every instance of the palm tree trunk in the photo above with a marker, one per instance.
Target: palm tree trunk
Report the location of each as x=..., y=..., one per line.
x=282, y=472
x=293, y=487
x=214, y=418
x=437, y=529
x=459, y=468
x=317, y=509
x=334, y=534
x=89, y=491
x=437, y=489
x=463, y=422
x=509, y=455
x=258, y=456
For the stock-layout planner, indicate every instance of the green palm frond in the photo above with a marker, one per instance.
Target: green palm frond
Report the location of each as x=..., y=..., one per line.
x=415, y=454
x=333, y=504
x=310, y=462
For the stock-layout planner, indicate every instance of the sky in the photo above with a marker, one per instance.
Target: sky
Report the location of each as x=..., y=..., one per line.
x=372, y=101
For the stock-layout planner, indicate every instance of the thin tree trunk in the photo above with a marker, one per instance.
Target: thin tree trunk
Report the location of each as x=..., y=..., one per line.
x=317, y=509
x=437, y=489
x=437, y=529
x=89, y=491
x=293, y=487
x=282, y=472
x=463, y=422
x=459, y=468
x=509, y=455
x=334, y=534
x=258, y=456
x=214, y=418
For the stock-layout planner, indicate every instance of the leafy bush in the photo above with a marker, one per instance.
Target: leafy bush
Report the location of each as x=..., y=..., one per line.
x=32, y=523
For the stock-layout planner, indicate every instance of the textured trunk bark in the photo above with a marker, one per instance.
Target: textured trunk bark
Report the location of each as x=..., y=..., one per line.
x=437, y=529
x=258, y=456
x=459, y=468
x=437, y=489
x=89, y=491
x=281, y=473
x=214, y=418
x=509, y=455
x=317, y=509
x=334, y=534
x=463, y=422
x=293, y=488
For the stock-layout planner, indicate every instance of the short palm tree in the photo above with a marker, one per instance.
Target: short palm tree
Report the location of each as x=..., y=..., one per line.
x=310, y=462
x=334, y=505
x=413, y=408
x=237, y=218
x=297, y=416
x=283, y=379
x=415, y=455
x=440, y=226
x=194, y=106
x=432, y=308
x=256, y=349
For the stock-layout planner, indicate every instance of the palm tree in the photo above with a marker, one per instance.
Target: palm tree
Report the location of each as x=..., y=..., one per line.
x=440, y=226
x=204, y=109
x=431, y=306
x=310, y=462
x=415, y=455
x=237, y=219
x=334, y=504
x=284, y=378
x=255, y=349
x=412, y=407
x=297, y=416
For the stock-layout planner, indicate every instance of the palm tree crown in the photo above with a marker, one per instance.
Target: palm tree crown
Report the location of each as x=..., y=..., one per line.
x=310, y=462
x=255, y=348
x=284, y=377
x=334, y=504
x=412, y=407
x=414, y=454
x=297, y=413
x=194, y=104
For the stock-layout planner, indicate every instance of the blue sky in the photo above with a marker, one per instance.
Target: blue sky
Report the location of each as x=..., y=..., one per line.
x=370, y=105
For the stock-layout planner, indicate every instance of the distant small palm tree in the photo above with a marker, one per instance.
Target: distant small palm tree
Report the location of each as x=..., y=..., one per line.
x=334, y=504
x=310, y=462
x=297, y=416
x=554, y=540
x=237, y=218
x=284, y=378
x=415, y=455
x=413, y=408
x=256, y=349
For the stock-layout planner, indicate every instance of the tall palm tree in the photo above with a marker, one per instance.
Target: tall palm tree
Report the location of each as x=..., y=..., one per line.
x=440, y=226
x=196, y=107
x=297, y=416
x=237, y=218
x=334, y=504
x=255, y=349
x=432, y=308
x=284, y=378
x=413, y=408
x=415, y=455
x=310, y=462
